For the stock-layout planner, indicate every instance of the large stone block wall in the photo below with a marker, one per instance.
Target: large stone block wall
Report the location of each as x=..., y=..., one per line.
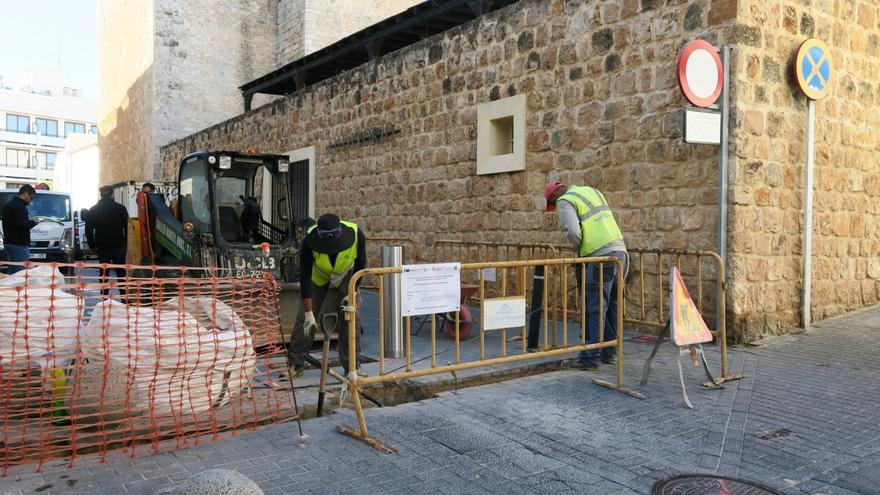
x=125, y=99
x=604, y=110
x=768, y=164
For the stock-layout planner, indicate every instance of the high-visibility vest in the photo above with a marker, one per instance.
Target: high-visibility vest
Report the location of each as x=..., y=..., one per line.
x=598, y=227
x=322, y=270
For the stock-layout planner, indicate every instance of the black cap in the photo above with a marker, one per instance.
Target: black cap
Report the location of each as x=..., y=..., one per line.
x=330, y=235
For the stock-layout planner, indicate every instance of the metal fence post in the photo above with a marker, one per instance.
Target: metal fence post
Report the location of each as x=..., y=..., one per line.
x=392, y=256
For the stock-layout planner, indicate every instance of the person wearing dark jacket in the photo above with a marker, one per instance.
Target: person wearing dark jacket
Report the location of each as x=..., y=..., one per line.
x=332, y=251
x=107, y=232
x=17, y=227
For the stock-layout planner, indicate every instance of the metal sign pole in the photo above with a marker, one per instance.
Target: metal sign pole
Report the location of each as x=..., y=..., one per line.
x=723, y=185
x=808, y=213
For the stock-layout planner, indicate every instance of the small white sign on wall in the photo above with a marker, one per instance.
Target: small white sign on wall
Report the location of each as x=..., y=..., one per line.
x=702, y=127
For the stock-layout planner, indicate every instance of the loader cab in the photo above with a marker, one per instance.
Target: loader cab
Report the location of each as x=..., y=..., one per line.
x=236, y=198
x=229, y=203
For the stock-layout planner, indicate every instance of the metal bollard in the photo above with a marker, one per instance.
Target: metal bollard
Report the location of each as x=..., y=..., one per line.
x=392, y=256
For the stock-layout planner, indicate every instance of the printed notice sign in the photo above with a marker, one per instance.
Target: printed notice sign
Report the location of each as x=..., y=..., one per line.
x=430, y=288
x=687, y=325
x=504, y=312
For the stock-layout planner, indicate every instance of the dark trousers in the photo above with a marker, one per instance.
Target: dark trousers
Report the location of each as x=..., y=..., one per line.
x=114, y=257
x=16, y=253
x=325, y=301
x=609, y=310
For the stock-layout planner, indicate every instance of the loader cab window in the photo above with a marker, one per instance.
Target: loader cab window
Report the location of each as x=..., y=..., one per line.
x=230, y=206
x=195, y=200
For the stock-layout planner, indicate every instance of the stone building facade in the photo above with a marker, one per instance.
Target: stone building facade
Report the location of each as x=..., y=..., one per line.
x=169, y=68
x=604, y=109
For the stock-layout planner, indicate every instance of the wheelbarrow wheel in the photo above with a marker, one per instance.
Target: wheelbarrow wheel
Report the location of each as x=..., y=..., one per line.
x=464, y=324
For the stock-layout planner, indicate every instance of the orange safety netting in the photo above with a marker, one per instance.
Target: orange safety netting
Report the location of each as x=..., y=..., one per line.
x=93, y=361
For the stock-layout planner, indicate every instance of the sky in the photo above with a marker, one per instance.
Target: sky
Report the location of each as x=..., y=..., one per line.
x=37, y=33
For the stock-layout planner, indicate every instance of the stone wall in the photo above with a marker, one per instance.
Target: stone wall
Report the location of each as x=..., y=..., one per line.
x=768, y=163
x=163, y=75
x=604, y=109
x=306, y=26
x=125, y=98
x=291, y=31
x=196, y=80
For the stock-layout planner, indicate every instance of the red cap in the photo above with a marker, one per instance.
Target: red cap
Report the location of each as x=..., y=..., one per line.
x=548, y=191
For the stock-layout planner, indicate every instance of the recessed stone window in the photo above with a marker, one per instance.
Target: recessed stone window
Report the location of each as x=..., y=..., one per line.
x=501, y=136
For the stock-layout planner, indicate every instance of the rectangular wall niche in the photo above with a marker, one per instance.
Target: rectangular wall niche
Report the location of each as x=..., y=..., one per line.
x=501, y=136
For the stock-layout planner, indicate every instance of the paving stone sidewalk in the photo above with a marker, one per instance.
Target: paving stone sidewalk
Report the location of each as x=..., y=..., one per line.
x=806, y=420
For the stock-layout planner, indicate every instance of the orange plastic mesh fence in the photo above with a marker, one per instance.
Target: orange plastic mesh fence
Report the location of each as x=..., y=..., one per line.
x=92, y=363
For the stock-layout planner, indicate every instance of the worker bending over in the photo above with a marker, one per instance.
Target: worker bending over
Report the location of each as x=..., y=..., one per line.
x=590, y=227
x=332, y=251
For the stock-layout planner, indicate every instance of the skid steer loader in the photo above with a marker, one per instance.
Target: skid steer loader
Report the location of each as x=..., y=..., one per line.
x=232, y=211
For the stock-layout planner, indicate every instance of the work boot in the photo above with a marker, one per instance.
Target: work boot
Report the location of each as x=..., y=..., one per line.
x=577, y=364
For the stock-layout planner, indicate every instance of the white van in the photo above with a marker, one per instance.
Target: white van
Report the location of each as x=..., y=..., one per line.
x=53, y=238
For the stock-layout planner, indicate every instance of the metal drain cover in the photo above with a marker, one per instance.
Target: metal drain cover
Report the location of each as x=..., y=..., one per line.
x=704, y=484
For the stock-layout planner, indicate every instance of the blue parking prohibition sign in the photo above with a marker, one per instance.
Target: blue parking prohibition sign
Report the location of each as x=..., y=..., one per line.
x=812, y=66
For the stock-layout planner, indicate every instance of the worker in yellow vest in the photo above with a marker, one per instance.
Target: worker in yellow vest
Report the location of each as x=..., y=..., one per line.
x=331, y=252
x=589, y=225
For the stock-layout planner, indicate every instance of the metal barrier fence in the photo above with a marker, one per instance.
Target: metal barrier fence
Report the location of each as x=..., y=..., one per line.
x=650, y=282
x=605, y=267
x=481, y=251
x=444, y=250
x=91, y=363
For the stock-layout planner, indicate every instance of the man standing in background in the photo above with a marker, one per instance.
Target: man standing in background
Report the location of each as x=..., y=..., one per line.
x=17, y=227
x=107, y=233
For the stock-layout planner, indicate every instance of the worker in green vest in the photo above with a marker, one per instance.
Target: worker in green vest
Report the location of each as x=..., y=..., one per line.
x=331, y=252
x=589, y=225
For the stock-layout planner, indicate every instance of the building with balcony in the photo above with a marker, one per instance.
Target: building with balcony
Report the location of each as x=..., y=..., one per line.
x=35, y=123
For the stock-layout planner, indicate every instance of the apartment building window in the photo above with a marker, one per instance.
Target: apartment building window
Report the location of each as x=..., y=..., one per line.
x=47, y=127
x=18, y=158
x=74, y=128
x=17, y=123
x=93, y=129
x=46, y=160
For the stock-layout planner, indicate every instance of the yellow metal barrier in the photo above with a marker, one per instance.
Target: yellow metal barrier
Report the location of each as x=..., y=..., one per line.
x=690, y=263
x=518, y=269
x=483, y=251
x=473, y=251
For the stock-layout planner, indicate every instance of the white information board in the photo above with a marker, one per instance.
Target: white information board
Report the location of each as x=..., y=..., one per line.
x=702, y=127
x=430, y=288
x=489, y=274
x=504, y=312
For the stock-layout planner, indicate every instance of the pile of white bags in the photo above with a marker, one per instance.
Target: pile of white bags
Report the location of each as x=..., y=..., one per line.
x=185, y=355
x=185, y=358
x=38, y=320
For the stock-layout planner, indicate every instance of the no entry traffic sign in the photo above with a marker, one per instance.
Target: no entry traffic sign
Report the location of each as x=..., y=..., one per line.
x=812, y=67
x=700, y=73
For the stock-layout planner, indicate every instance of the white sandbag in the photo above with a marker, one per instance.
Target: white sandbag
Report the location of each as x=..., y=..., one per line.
x=180, y=363
x=36, y=320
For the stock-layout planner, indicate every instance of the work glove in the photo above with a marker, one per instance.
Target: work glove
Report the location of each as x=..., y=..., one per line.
x=309, y=324
x=344, y=302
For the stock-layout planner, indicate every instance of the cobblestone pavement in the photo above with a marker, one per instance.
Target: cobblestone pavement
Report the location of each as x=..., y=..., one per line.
x=805, y=420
